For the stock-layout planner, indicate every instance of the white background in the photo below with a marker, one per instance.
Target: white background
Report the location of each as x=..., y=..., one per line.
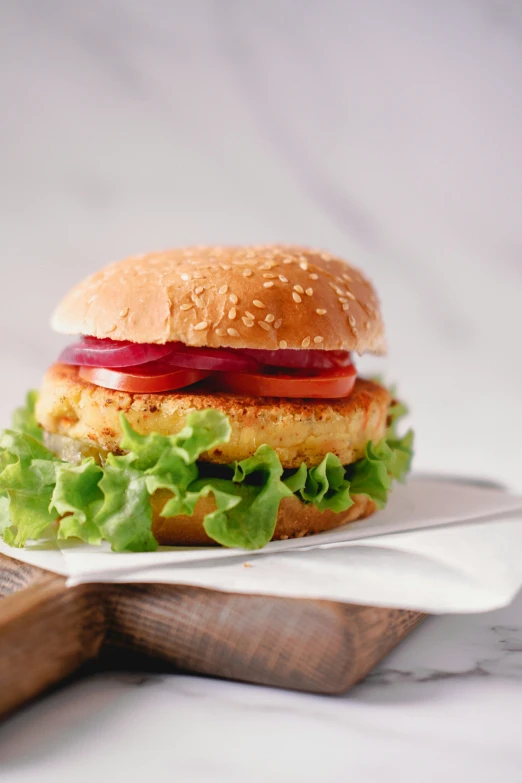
x=387, y=132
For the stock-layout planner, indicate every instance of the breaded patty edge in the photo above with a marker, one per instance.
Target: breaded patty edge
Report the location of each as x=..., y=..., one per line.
x=298, y=430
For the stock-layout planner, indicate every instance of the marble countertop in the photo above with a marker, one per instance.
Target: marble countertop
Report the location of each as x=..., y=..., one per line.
x=389, y=133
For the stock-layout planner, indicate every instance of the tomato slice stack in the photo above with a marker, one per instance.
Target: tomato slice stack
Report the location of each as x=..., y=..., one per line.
x=144, y=379
x=325, y=383
x=159, y=377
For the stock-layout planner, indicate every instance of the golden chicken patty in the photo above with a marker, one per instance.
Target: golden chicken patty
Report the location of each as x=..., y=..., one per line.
x=298, y=430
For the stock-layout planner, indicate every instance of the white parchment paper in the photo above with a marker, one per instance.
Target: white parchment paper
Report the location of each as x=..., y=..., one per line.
x=439, y=546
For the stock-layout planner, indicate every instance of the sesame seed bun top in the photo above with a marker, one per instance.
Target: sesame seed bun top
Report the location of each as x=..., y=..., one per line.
x=268, y=297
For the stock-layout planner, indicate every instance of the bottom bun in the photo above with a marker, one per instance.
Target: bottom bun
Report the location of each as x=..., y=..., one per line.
x=294, y=520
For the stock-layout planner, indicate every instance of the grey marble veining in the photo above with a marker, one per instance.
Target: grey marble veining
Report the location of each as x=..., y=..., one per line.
x=388, y=132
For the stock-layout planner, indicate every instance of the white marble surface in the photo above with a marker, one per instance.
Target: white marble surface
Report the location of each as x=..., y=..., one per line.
x=389, y=132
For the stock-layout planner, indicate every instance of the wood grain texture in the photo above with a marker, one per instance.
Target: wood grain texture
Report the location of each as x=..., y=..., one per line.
x=47, y=631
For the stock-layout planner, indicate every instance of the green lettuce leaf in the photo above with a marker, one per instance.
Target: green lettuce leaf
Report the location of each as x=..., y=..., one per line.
x=27, y=479
x=154, y=462
x=77, y=499
x=324, y=485
x=247, y=505
x=125, y=516
x=24, y=419
x=112, y=502
x=5, y=518
x=156, y=453
x=384, y=461
x=117, y=507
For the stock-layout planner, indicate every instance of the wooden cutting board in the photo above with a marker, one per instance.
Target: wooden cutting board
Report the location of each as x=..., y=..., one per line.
x=47, y=631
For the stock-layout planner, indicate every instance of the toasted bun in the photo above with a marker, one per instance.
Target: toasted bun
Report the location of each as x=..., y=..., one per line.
x=295, y=520
x=267, y=297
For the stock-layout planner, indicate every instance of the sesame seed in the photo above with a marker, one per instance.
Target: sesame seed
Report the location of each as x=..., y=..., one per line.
x=258, y=304
x=110, y=328
x=198, y=301
x=247, y=321
x=296, y=297
x=264, y=325
x=288, y=260
x=124, y=312
x=186, y=306
x=269, y=318
x=304, y=265
x=202, y=325
x=233, y=332
x=247, y=272
x=309, y=291
x=347, y=277
x=346, y=306
x=299, y=289
x=283, y=279
x=306, y=342
x=313, y=276
x=220, y=332
x=197, y=275
x=232, y=313
x=199, y=289
x=223, y=289
x=366, y=324
x=351, y=320
x=185, y=276
x=355, y=332
x=278, y=323
x=249, y=315
x=318, y=339
x=283, y=343
x=269, y=284
x=269, y=276
x=233, y=298
x=349, y=295
x=225, y=267
x=320, y=312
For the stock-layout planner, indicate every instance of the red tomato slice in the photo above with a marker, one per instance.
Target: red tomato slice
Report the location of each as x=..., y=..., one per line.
x=329, y=383
x=155, y=377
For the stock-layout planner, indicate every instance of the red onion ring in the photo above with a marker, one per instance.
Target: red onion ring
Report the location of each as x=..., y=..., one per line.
x=91, y=352
x=218, y=359
x=113, y=354
x=299, y=358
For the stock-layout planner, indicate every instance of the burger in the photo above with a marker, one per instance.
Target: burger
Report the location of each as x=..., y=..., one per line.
x=209, y=396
